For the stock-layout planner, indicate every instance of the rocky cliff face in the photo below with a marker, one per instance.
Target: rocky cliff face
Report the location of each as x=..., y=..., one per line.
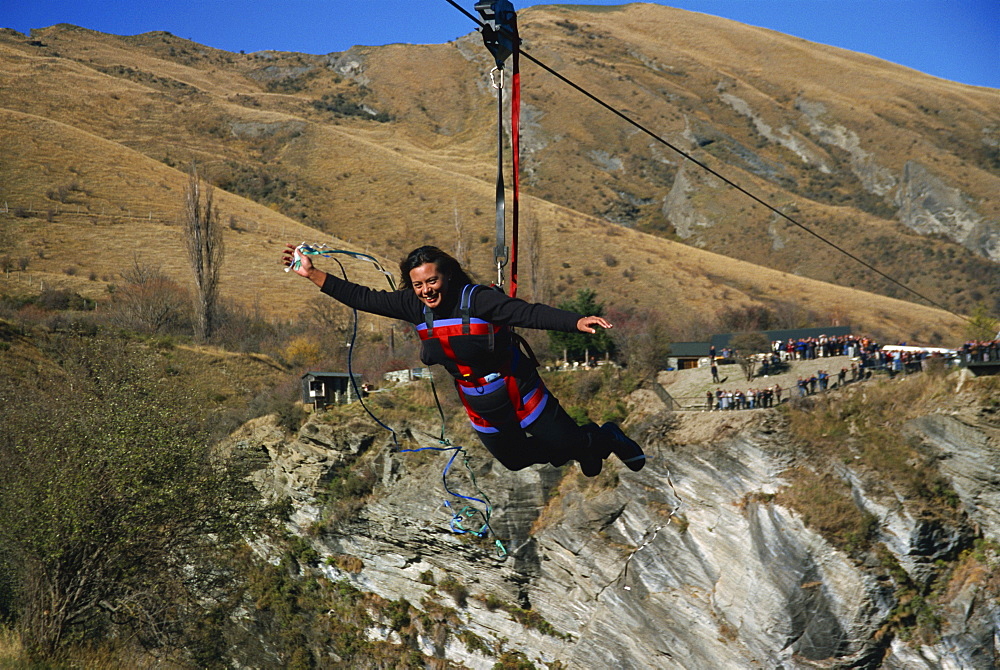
x=929, y=206
x=694, y=562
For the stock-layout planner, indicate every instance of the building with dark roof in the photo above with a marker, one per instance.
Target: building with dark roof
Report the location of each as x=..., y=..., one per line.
x=320, y=389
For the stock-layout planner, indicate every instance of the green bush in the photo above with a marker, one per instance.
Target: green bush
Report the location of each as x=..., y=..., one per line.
x=103, y=497
x=341, y=105
x=577, y=344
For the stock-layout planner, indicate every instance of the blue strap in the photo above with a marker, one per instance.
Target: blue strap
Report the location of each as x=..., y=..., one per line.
x=467, y=512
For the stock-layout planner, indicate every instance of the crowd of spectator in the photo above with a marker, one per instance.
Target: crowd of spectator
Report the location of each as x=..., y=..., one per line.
x=809, y=348
x=980, y=351
x=866, y=356
x=820, y=381
x=867, y=353
x=749, y=399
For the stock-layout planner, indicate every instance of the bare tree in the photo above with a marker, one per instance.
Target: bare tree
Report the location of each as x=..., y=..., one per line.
x=533, y=241
x=150, y=302
x=640, y=337
x=461, y=241
x=203, y=234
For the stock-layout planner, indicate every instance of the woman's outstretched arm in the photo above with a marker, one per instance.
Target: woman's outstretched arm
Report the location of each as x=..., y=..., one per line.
x=394, y=304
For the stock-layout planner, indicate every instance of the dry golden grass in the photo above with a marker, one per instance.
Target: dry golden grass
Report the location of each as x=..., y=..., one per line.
x=864, y=426
x=11, y=650
x=71, y=119
x=14, y=657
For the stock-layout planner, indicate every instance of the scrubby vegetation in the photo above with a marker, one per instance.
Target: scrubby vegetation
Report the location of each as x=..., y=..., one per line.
x=115, y=522
x=865, y=427
x=120, y=533
x=342, y=105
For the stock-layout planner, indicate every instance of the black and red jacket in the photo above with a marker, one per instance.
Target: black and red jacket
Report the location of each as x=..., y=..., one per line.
x=471, y=338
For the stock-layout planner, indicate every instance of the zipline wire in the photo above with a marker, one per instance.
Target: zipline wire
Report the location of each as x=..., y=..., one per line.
x=712, y=171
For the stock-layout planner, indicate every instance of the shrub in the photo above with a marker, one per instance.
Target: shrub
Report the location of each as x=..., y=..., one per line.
x=149, y=302
x=341, y=105
x=101, y=498
x=455, y=589
x=303, y=350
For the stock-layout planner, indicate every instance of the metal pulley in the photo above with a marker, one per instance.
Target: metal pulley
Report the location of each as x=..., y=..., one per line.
x=499, y=28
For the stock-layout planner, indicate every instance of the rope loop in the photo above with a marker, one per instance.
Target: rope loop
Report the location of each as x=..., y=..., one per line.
x=461, y=520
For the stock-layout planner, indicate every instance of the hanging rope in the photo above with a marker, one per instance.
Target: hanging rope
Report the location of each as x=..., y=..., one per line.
x=515, y=150
x=499, y=31
x=324, y=251
x=464, y=520
x=501, y=253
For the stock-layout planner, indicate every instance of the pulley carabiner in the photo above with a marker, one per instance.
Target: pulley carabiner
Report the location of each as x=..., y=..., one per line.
x=493, y=78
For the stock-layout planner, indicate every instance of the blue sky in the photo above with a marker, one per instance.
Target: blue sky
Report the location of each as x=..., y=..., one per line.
x=952, y=39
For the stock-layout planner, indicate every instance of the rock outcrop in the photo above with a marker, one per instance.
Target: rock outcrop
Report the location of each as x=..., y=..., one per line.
x=693, y=562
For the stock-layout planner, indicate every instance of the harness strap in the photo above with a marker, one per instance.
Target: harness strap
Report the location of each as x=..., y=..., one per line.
x=515, y=141
x=465, y=306
x=429, y=321
x=466, y=325
x=527, y=406
x=500, y=36
x=501, y=252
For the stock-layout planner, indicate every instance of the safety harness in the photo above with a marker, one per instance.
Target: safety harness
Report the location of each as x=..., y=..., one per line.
x=527, y=405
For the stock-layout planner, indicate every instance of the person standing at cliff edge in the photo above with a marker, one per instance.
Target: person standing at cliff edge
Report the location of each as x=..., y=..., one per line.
x=467, y=328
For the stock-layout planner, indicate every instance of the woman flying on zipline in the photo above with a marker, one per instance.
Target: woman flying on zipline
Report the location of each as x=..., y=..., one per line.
x=466, y=328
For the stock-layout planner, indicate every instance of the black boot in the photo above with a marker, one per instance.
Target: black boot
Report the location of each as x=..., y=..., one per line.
x=625, y=448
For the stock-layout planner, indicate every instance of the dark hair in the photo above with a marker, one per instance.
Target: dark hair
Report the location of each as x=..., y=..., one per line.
x=446, y=265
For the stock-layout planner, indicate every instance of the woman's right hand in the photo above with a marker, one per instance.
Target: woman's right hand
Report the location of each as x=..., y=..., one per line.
x=297, y=263
x=304, y=266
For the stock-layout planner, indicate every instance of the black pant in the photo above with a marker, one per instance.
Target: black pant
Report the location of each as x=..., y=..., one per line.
x=553, y=438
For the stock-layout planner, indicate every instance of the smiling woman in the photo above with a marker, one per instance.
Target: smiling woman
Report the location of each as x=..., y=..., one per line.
x=429, y=271
x=468, y=329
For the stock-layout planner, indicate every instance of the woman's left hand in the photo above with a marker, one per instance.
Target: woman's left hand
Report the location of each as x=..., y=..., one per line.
x=587, y=323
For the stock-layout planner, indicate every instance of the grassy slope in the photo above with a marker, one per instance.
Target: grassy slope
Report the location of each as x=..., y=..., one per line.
x=386, y=187
x=670, y=69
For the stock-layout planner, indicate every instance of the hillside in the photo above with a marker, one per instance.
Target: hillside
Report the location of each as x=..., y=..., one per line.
x=373, y=150
x=857, y=528
x=851, y=529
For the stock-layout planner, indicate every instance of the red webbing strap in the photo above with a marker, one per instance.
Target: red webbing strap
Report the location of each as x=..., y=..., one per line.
x=515, y=140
